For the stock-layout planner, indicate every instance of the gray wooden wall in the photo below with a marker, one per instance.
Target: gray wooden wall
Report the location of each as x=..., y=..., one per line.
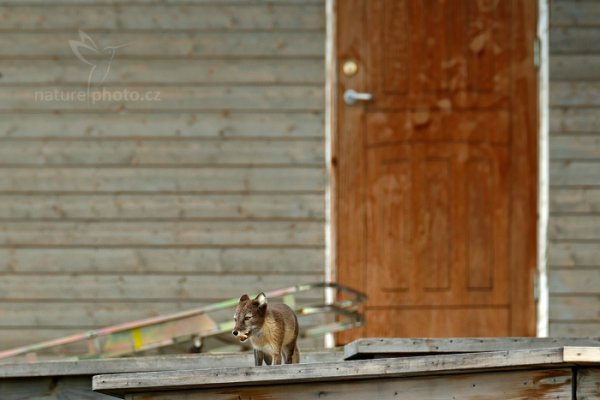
x=574, y=230
x=117, y=210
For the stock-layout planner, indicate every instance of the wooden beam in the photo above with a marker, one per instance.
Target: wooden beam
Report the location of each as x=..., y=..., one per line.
x=582, y=355
x=389, y=347
x=513, y=385
x=336, y=371
x=145, y=364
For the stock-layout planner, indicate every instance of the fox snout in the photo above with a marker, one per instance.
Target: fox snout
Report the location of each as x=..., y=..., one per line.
x=242, y=336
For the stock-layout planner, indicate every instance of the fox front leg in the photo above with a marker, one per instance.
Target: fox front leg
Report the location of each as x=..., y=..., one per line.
x=268, y=359
x=258, y=358
x=277, y=358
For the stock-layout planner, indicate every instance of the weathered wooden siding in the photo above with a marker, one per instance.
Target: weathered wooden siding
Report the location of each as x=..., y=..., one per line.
x=125, y=209
x=574, y=229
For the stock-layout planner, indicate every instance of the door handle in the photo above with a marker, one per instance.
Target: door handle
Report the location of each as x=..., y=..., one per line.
x=352, y=96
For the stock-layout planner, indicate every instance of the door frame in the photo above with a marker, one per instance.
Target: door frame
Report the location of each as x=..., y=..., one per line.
x=541, y=289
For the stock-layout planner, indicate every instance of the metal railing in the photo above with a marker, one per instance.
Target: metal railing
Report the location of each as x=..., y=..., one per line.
x=195, y=325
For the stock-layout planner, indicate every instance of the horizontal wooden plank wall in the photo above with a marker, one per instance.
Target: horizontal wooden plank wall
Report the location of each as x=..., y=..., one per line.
x=115, y=209
x=574, y=227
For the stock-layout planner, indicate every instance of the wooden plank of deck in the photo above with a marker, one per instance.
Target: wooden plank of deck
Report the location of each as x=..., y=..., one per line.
x=543, y=384
x=145, y=364
x=49, y=388
x=368, y=348
x=119, y=384
x=582, y=355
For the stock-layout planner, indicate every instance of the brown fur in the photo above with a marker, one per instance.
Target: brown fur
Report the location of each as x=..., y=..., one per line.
x=271, y=328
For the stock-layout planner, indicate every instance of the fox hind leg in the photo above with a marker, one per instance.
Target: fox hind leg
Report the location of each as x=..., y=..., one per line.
x=291, y=354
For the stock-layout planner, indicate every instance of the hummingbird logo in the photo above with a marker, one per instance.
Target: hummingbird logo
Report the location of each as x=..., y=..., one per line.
x=100, y=61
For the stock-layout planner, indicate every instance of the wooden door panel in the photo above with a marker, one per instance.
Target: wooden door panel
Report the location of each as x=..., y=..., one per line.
x=384, y=127
x=435, y=216
x=391, y=265
x=439, y=53
x=436, y=224
x=438, y=322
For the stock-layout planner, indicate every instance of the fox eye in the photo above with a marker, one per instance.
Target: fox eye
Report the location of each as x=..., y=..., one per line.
x=247, y=317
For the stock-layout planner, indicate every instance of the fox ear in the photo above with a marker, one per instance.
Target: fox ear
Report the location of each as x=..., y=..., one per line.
x=261, y=299
x=244, y=297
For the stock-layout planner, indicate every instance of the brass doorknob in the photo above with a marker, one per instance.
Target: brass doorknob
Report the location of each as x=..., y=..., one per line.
x=350, y=68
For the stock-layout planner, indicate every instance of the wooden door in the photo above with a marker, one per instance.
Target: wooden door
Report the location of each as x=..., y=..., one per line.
x=436, y=176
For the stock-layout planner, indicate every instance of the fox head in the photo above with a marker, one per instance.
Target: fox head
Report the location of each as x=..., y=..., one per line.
x=249, y=316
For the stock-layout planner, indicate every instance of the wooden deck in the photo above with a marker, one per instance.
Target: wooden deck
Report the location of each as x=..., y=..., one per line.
x=533, y=371
x=72, y=380
x=373, y=369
